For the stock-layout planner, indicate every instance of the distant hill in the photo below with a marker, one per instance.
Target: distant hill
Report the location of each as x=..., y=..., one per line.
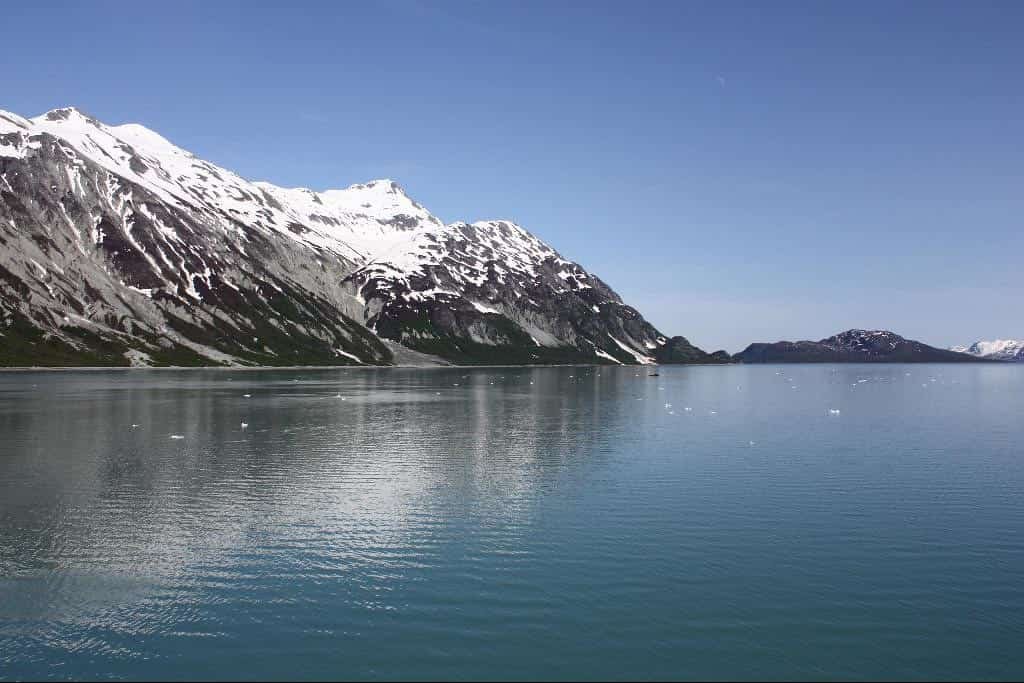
x=852, y=346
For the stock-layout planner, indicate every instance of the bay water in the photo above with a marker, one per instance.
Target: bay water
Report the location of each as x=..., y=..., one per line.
x=754, y=522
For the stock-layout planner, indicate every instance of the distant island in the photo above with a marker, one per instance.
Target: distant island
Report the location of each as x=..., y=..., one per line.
x=853, y=346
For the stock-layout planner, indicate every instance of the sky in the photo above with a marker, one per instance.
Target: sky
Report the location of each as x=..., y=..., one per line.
x=738, y=172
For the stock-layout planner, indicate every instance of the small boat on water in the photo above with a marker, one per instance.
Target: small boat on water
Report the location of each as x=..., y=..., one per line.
x=653, y=374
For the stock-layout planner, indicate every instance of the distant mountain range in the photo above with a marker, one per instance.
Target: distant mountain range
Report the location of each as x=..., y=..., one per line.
x=1000, y=349
x=118, y=248
x=852, y=346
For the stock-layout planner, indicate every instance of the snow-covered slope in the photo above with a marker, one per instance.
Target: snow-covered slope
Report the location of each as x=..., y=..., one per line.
x=117, y=246
x=350, y=222
x=999, y=349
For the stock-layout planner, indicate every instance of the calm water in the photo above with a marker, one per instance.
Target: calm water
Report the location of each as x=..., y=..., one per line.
x=712, y=522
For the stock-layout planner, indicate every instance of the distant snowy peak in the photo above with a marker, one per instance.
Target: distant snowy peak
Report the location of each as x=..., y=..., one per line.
x=998, y=349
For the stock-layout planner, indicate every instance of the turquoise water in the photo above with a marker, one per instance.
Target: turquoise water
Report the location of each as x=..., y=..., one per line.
x=513, y=523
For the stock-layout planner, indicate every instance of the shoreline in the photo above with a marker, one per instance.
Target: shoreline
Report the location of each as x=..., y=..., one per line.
x=264, y=368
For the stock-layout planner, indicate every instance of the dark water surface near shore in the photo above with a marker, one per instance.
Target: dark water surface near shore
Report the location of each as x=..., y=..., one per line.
x=713, y=522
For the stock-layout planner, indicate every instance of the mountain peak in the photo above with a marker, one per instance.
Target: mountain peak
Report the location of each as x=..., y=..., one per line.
x=384, y=185
x=859, y=336
x=68, y=114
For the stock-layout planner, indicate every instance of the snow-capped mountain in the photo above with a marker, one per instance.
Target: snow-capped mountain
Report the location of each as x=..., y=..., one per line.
x=999, y=349
x=852, y=346
x=116, y=246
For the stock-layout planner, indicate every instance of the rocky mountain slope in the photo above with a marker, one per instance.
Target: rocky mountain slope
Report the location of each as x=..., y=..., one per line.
x=117, y=247
x=852, y=346
x=999, y=349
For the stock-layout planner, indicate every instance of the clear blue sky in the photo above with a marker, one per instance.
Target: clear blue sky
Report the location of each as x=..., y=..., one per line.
x=739, y=172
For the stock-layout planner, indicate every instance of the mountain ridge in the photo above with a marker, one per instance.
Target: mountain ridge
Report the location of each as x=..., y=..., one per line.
x=118, y=247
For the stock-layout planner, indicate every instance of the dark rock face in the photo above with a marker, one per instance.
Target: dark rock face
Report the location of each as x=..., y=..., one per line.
x=117, y=247
x=852, y=346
